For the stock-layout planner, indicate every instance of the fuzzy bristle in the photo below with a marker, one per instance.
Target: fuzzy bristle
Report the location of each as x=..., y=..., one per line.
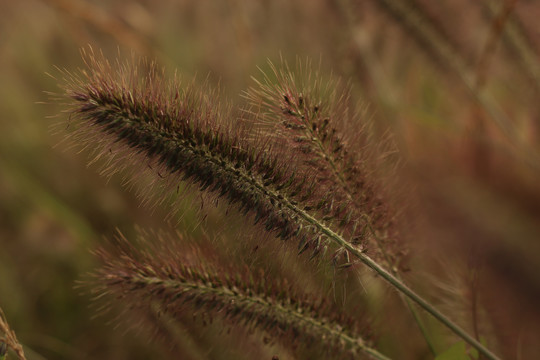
x=325, y=198
x=163, y=277
x=308, y=114
x=185, y=135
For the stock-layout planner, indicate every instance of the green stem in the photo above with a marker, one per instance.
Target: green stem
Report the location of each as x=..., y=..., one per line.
x=404, y=289
x=121, y=123
x=410, y=306
x=393, y=280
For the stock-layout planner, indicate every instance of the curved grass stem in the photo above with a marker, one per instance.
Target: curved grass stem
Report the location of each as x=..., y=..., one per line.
x=389, y=277
x=179, y=137
x=386, y=275
x=409, y=293
x=407, y=301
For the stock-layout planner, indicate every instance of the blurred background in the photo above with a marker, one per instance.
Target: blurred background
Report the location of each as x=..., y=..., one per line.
x=455, y=83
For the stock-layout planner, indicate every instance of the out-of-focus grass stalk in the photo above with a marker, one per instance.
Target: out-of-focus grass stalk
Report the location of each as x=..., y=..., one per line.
x=400, y=286
x=180, y=135
x=518, y=40
x=386, y=93
x=413, y=18
x=498, y=24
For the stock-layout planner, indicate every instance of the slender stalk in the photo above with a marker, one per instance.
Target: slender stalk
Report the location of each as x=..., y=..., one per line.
x=386, y=275
x=288, y=106
x=497, y=27
x=414, y=19
x=393, y=280
x=407, y=300
x=404, y=289
x=518, y=40
x=181, y=140
x=390, y=277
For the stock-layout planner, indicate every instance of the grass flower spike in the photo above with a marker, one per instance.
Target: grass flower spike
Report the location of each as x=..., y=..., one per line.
x=184, y=135
x=179, y=282
x=312, y=116
x=323, y=199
